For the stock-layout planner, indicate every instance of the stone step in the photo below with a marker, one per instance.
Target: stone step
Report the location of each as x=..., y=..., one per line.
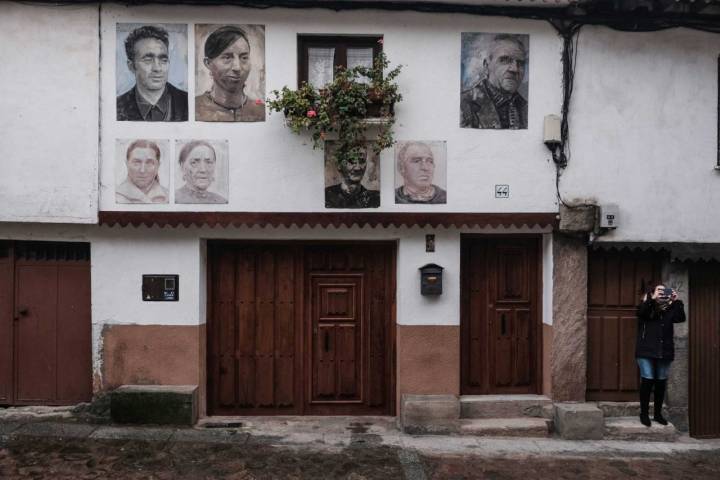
x=505, y=406
x=506, y=427
x=624, y=409
x=630, y=428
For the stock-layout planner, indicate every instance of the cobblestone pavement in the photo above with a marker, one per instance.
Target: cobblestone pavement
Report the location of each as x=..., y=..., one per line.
x=50, y=458
x=330, y=448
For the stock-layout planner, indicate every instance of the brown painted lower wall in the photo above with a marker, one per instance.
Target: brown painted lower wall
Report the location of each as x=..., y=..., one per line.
x=428, y=359
x=153, y=355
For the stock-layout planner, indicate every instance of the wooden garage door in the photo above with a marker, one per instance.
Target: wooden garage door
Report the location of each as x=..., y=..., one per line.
x=45, y=328
x=705, y=350
x=616, y=281
x=300, y=329
x=500, y=315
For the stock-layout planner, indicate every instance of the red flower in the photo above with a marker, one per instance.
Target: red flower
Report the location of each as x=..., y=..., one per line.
x=311, y=113
x=259, y=102
x=380, y=41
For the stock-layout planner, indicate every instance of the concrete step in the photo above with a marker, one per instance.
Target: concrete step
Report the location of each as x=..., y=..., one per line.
x=505, y=406
x=506, y=427
x=630, y=428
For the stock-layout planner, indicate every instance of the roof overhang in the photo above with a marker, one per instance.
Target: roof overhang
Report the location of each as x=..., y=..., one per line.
x=326, y=219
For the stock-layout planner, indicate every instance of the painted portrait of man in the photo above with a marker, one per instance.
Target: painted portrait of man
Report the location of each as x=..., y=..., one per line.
x=142, y=171
x=420, y=172
x=353, y=182
x=147, y=56
x=230, y=73
x=494, y=76
x=201, y=171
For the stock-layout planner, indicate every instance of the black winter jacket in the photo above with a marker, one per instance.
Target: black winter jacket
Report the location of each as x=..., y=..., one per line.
x=655, y=329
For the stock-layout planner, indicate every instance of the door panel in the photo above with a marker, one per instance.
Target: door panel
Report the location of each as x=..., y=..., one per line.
x=7, y=293
x=337, y=323
x=500, y=315
x=616, y=281
x=300, y=329
x=36, y=332
x=704, y=350
x=254, y=315
x=45, y=324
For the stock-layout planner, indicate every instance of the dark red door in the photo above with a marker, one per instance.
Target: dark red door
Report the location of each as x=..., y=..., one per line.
x=704, y=307
x=500, y=315
x=616, y=281
x=49, y=324
x=300, y=329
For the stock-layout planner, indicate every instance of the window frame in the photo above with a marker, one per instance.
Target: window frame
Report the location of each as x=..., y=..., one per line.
x=340, y=43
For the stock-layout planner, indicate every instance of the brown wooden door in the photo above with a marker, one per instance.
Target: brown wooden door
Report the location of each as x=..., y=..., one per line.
x=617, y=280
x=49, y=324
x=704, y=326
x=300, y=329
x=254, y=321
x=500, y=315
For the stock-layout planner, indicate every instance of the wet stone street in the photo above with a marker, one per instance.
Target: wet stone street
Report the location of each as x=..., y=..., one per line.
x=363, y=458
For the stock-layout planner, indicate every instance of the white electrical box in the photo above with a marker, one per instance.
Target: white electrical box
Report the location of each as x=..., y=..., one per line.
x=609, y=216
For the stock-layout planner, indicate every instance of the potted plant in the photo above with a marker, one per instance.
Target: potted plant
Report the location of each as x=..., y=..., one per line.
x=343, y=107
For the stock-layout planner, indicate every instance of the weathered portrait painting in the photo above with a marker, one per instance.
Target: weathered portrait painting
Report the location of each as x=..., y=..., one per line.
x=353, y=182
x=151, y=72
x=201, y=171
x=230, y=73
x=142, y=171
x=420, y=172
x=494, y=80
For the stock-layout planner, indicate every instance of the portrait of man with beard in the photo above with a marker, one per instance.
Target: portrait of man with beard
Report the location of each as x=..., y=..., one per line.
x=494, y=81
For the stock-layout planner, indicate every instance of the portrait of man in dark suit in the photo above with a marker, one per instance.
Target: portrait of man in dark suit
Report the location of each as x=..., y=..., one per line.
x=153, y=98
x=354, y=181
x=494, y=90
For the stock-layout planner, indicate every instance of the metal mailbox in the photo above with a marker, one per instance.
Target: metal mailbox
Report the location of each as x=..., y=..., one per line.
x=431, y=279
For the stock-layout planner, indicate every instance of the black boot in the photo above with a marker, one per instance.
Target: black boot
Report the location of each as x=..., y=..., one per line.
x=660, y=386
x=646, y=385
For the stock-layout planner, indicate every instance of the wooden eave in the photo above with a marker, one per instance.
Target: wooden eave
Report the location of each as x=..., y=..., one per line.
x=326, y=219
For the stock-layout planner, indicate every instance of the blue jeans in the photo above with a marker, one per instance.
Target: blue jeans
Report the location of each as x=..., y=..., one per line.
x=653, y=368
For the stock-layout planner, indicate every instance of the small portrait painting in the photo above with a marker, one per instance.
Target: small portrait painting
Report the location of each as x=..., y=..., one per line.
x=494, y=75
x=353, y=182
x=420, y=172
x=151, y=72
x=201, y=172
x=230, y=73
x=142, y=171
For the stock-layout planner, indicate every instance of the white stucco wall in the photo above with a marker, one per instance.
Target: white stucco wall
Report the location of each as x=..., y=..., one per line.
x=273, y=170
x=644, y=132
x=49, y=113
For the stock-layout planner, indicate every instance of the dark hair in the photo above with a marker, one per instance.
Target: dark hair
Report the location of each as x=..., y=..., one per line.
x=141, y=33
x=143, y=144
x=188, y=147
x=222, y=38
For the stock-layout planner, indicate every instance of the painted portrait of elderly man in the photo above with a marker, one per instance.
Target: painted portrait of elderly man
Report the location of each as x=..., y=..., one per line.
x=201, y=171
x=494, y=76
x=353, y=182
x=151, y=73
x=142, y=171
x=420, y=172
x=230, y=73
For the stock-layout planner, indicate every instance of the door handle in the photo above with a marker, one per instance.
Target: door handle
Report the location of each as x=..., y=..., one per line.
x=22, y=311
x=502, y=324
x=327, y=341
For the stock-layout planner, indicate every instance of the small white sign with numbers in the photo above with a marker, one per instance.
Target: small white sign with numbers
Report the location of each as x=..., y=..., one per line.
x=502, y=191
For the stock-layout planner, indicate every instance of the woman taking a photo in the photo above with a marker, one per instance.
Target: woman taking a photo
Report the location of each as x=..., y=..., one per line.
x=654, y=350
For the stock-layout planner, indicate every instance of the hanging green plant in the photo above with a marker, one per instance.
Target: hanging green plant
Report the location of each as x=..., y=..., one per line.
x=343, y=107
